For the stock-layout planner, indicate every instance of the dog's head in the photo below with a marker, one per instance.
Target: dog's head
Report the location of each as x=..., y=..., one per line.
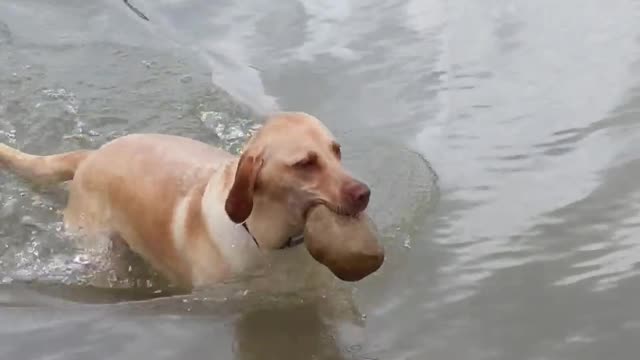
x=294, y=161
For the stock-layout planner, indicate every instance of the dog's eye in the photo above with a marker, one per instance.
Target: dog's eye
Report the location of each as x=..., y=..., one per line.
x=310, y=161
x=304, y=163
x=335, y=148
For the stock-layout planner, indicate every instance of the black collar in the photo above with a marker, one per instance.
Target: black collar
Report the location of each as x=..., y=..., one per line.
x=291, y=242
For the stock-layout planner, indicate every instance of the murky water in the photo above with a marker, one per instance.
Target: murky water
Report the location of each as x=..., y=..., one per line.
x=522, y=247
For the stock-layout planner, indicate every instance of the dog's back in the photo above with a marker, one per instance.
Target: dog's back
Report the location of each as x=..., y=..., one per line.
x=132, y=188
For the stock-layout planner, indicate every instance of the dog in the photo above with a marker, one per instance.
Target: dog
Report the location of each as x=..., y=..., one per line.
x=196, y=213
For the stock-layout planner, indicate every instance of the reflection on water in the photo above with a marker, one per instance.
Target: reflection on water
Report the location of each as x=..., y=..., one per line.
x=524, y=248
x=268, y=334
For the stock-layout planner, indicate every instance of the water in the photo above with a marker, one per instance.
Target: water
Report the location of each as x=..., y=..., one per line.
x=523, y=246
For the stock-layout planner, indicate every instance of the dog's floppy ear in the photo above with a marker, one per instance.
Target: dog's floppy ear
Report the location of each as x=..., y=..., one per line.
x=239, y=202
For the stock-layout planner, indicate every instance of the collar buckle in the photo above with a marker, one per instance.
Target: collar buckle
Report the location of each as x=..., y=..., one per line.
x=291, y=242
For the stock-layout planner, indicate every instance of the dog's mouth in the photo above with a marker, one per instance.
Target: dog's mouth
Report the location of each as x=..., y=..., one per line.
x=340, y=210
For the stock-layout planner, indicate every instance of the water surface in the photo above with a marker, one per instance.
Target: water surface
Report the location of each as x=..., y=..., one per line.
x=523, y=246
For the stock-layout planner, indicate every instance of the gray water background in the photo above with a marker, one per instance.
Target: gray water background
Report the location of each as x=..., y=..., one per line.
x=524, y=246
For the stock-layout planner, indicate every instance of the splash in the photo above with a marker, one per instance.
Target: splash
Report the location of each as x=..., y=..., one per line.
x=233, y=133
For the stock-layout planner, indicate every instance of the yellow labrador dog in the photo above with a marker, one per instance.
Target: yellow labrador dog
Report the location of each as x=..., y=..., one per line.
x=196, y=213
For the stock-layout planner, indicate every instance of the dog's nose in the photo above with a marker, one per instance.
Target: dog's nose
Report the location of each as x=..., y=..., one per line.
x=359, y=194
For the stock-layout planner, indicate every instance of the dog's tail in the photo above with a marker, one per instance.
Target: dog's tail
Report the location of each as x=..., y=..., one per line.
x=41, y=169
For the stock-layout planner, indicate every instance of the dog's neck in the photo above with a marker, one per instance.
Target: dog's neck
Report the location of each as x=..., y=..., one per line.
x=271, y=223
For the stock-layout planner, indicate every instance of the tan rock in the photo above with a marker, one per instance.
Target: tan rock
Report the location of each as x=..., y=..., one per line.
x=347, y=245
